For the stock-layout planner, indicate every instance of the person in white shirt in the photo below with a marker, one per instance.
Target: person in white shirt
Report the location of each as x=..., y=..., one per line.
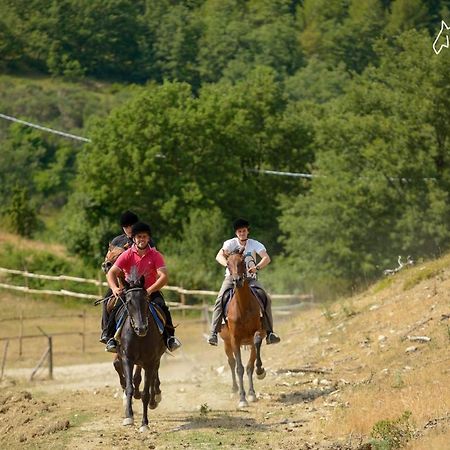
x=252, y=249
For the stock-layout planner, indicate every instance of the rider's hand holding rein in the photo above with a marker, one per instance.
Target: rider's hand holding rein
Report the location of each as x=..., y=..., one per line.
x=117, y=291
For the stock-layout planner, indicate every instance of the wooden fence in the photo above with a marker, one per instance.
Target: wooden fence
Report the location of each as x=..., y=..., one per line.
x=83, y=332
x=177, y=305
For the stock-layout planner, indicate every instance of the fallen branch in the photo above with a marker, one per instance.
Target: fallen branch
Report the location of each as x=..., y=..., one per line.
x=414, y=327
x=401, y=265
x=305, y=369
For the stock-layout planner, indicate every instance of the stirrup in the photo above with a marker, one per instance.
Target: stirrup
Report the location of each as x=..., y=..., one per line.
x=213, y=340
x=272, y=338
x=173, y=343
x=111, y=346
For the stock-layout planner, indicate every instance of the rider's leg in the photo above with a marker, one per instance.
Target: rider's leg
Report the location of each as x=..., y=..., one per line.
x=216, y=321
x=111, y=327
x=267, y=320
x=105, y=317
x=171, y=341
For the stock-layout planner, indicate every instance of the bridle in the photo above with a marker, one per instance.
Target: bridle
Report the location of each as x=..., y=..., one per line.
x=240, y=277
x=128, y=300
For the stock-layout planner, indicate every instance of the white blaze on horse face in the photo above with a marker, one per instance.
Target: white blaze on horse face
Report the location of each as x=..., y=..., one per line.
x=442, y=39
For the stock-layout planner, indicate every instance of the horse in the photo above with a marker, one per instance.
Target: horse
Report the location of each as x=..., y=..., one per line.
x=141, y=345
x=112, y=254
x=243, y=327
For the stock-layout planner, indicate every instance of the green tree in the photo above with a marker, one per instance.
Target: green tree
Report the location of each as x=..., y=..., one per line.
x=20, y=215
x=381, y=175
x=97, y=38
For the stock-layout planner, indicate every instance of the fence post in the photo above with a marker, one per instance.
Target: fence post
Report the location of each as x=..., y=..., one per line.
x=50, y=358
x=21, y=333
x=183, y=302
x=5, y=352
x=83, y=334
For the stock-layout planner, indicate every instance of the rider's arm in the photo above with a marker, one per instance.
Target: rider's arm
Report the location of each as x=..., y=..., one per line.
x=220, y=258
x=160, y=282
x=265, y=260
x=113, y=279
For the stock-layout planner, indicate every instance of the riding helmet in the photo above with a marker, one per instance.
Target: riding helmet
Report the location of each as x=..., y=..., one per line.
x=240, y=223
x=128, y=218
x=140, y=227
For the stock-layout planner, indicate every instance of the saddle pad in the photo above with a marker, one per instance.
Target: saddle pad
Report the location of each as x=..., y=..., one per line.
x=226, y=297
x=158, y=316
x=259, y=294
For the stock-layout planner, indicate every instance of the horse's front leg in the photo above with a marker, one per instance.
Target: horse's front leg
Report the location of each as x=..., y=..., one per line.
x=232, y=364
x=250, y=368
x=119, y=369
x=156, y=390
x=148, y=380
x=137, y=378
x=260, y=371
x=128, y=374
x=240, y=374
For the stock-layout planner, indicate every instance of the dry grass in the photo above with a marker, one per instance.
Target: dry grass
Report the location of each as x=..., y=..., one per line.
x=362, y=341
x=28, y=244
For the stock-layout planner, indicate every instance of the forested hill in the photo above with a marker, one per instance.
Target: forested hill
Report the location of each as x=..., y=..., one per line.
x=189, y=106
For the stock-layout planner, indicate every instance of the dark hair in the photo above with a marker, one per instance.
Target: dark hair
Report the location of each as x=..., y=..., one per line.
x=128, y=218
x=140, y=227
x=240, y=223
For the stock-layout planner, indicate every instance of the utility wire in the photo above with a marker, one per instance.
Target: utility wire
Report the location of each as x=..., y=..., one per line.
x=83, y=139
x=50, y=130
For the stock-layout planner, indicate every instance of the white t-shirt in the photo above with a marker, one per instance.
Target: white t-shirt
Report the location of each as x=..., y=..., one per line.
x=252, y=248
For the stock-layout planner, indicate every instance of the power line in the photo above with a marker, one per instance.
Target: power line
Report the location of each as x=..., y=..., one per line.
x=285, y=174
x=83, y=139
x=50, y=130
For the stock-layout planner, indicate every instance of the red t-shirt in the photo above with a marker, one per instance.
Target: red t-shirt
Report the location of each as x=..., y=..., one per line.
x=134, y=266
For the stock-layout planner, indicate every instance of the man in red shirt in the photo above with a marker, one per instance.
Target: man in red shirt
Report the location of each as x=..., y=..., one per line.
x=141, y=259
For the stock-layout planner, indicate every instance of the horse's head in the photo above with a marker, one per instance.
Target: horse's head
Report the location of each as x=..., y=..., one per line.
x=110, y=258
x=137, y=305
x=236, y=266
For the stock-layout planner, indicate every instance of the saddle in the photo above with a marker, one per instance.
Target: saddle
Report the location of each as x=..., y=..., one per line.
x=259, y=293
x=156, y=313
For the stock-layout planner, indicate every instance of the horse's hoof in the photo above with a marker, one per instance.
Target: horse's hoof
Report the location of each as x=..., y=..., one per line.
x=252, y=398
x=137, y=395
x=243, y=404
x=128, y=421
x=158, y=398
x=152, y=405
x=143, y=428
x=261, y=375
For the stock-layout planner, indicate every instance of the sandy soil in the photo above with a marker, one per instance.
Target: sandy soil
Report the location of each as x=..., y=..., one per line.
x=81, y=408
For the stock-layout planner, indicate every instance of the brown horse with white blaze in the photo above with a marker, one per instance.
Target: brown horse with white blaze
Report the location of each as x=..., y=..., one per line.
x=243, y=327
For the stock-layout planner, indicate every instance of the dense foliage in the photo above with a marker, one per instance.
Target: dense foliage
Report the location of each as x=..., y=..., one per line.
x=347, y=92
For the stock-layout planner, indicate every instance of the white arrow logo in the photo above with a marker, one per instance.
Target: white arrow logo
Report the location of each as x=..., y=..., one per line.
x=437, y=48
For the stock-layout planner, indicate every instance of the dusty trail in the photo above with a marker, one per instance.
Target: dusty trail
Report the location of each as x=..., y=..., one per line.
x=197, y=410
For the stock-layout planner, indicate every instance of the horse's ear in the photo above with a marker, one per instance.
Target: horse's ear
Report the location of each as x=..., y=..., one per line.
x=225, y=253
x=241, y=250
x=126, y=284
x=142, y=281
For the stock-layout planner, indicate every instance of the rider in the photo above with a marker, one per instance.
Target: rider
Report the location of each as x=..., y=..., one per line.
x=125, y=241
x=252, y=248
x=141, y=259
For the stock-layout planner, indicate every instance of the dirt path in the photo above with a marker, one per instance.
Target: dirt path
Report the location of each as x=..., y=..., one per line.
x=81, y=408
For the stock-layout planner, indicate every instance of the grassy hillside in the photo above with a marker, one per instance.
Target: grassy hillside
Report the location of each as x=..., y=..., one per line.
x=369, y=368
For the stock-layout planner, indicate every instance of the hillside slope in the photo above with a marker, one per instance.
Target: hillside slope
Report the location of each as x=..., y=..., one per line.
x=376, y=363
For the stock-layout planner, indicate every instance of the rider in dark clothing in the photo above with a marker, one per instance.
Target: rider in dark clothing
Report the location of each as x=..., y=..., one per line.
x=125, y=241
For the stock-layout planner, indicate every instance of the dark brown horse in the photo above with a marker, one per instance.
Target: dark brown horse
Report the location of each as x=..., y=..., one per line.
x=141, y=345
x=243, y=327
